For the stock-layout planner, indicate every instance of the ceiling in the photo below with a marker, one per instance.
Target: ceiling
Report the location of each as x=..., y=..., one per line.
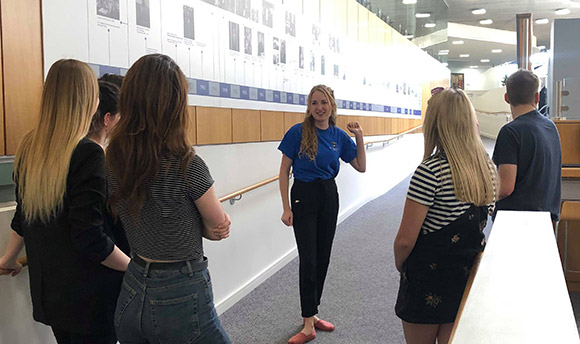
x=502, y=12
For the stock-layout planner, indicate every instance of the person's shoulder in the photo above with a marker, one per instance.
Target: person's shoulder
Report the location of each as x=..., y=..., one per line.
x=87, y=147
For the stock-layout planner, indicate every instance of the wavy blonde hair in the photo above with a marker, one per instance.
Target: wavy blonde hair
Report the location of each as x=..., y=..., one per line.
x=309, y=144
x=69, y=99
x=450, y=128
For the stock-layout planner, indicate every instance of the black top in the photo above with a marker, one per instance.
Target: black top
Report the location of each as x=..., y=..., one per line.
x=71, y=290
x=531, y=142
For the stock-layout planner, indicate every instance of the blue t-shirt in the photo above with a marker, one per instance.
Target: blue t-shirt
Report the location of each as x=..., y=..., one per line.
x=333, y=143
x=531, y=142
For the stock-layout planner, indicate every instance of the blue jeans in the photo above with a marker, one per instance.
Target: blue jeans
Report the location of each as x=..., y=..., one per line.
x=167, y=307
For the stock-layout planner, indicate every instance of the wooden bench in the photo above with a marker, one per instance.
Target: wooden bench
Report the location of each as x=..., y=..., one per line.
x=517, y=294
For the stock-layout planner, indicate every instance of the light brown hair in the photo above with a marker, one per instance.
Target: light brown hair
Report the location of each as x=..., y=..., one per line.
x=41, y=165
x=450, y=128
x=154, y=121
x=521, y=88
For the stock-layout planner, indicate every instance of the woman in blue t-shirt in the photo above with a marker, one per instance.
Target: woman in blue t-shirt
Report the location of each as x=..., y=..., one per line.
x=313, y=148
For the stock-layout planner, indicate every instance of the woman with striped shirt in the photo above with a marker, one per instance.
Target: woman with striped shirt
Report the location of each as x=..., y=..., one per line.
x=445, y=212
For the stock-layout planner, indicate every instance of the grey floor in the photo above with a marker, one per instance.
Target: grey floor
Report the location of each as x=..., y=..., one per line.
x=360, y=291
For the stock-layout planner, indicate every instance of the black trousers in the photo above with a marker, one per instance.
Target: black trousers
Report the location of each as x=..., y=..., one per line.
x=65, y=337
x=315, y=210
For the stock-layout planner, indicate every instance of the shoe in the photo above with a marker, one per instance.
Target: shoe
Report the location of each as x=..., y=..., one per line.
x=324, y=325
x=302, y=338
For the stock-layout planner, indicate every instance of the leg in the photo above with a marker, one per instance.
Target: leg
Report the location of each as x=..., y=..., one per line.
x=444, y=333
x=420, y=333
x=326, y=229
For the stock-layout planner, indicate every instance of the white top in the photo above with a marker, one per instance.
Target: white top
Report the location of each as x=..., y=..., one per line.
x=519, y=294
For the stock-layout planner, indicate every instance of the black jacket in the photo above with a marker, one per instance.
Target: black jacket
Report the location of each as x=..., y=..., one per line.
x=71, y=290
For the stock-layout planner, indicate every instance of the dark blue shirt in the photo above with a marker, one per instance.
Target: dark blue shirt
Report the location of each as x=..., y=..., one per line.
x=531, y=142
x=333, y=143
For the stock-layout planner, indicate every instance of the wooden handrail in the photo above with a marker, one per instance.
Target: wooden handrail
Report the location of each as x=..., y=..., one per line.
x=23, y=261
x=394, y=137
x=494, y=113
x=247, y=189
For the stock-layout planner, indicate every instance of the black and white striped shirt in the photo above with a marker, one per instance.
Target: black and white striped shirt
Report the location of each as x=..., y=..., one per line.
x=170, y=225
x=431, y=185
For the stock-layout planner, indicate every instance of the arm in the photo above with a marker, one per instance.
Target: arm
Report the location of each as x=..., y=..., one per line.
x=216, y=223
x=507, y=179
x=8, y=262
x=284, y=181
x=413, y=218
x=360, y=161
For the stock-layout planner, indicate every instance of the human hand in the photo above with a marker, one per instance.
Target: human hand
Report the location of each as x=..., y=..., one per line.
x=222, y=231
x=287, y=217
x=10, y=268
x=355, y=128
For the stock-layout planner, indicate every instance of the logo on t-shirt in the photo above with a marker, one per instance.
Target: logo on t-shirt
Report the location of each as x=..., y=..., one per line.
x=334, y=145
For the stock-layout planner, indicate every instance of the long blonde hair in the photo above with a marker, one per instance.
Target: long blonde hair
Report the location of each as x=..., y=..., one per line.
x=41, y=165
x=309, y=144
x=450, y=128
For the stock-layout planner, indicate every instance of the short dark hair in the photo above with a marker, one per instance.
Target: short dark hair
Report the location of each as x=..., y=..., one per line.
x=108, y=100
x=522, y=87
x=112, y=78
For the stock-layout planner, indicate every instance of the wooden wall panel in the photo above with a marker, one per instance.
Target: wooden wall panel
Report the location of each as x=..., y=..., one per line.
x=191, y=130
x=22, y=67
x=291, y=118
x=272, y=125
x=570, y=141
x=246, y=125
x=381, y=126
x=341, y=122
x=388, y=125
x=214, y=125
x=2, y=138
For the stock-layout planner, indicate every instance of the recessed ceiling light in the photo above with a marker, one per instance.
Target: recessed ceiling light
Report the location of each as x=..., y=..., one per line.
x=408, y=36
x=496, y=51
x=429, y=25
x=445, y=64
x=541, y=47
x=457, y=42
x=422, y=15
x=464, y=55
x=479, y=11
x=562, y=11
x=485, y=60
x=542, y=21
x=409, y=2
x=473, y=66
x=443, y=52
x=486, y=21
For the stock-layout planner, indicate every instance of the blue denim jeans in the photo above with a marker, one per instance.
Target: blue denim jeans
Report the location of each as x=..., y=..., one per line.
x=167, y=307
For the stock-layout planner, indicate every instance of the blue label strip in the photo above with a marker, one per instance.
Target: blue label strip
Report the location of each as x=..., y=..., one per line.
x=231, y=91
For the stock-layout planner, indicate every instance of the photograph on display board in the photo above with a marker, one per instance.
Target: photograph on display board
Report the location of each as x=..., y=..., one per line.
x=243, y=8
x=261, y=52
x=267, y=14
x=234, y=36
x=188, y=25
x=336, y=70
x=315, y=34
x=143, y=13
x=108, y=8
x=282, y=51
x=457, y=80
x=322, y=65
x=228, y=5
x=248, y=40
x=276, y=51
x=290, y=24
x=301, y=57
x=312, y=61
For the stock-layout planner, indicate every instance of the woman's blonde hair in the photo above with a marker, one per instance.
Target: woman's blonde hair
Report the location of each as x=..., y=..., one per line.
x=309, y=144
x=69, y=99
x=450, y=128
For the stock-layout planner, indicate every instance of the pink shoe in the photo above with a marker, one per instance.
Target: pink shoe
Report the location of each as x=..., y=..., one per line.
x=324, y=325
x=302, y=338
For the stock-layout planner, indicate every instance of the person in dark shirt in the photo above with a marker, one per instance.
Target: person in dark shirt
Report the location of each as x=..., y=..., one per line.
x=527, y=152
x=75, y=268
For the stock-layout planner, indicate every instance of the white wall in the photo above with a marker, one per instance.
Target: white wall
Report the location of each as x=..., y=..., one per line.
x=259, y=244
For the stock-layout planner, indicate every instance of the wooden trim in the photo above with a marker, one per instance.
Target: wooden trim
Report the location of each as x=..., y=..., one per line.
x=570, y=211
x=22, y=67
x=246, y=125
x=214, y=125
x=247, y=189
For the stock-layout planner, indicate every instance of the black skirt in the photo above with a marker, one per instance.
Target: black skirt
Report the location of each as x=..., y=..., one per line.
x=436, y=272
